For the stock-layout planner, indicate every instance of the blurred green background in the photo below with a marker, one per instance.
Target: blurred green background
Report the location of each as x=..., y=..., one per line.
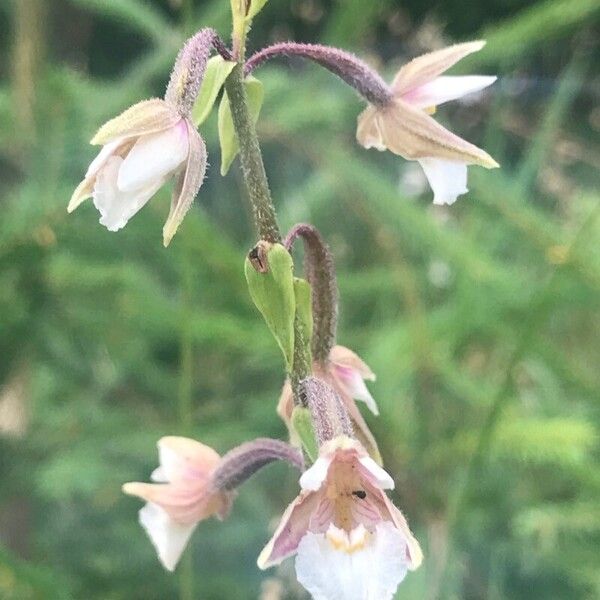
x=481, y=321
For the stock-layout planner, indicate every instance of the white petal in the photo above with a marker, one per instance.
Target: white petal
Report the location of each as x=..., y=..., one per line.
x=372, y=572
x=447, y=178
x=356, y=387
x=102, y=157
x=379, y=475
x=313, y=478
x=446, y=88
x=169, y=538
x=117, y=207
x=154, y=157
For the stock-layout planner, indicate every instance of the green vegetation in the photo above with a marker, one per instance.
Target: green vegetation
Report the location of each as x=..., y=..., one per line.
x=481, y=321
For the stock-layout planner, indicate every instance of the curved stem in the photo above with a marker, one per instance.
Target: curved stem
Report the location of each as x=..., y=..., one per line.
x=240, y=463
x=320, y=273
x=353, y=71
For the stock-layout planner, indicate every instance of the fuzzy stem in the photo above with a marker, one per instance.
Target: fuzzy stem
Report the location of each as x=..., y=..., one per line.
x=355, y=72
x=253, y=167
x=329, y=415
x=240, y=463
x=302, y=360
x=320, y=272
x=189, y=69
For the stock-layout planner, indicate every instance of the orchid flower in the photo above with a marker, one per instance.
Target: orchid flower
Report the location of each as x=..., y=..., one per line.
x=398, y=116
x=150, y=143
x=181, y=497
x=143, y=147
x=346, y=372
x=404, y=126
x=194, y=483
x=351, y=541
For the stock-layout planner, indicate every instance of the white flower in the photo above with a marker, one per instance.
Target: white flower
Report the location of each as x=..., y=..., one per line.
x=143, y=148
x=181, y=497
x=404, y=126
x=351, y=542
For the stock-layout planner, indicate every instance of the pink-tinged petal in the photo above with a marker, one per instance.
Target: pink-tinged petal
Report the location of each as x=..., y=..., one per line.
x=369, y=569
x=285, y=406
x=353, y=384
x=184, y=458
x=146, y=117
x=117, y=207
x=292, y=527
x=368, y=133
x=447, y=178
x=188, y=183
x=168, y=537
x=376, y=474
x=446, y=88
x=343, y=356
x=412, y=134
x=313, y=478
x=426, y=68
x=414, y=553
x=154, y=157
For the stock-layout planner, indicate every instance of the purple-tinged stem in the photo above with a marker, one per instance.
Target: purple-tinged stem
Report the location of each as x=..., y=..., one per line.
x=355, y=72
x=329, y=415
x=320, y=273
x=240, y=463
x=189, y=69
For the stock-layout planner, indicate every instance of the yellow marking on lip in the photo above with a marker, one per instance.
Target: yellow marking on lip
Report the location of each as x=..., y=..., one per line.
x=342, y=542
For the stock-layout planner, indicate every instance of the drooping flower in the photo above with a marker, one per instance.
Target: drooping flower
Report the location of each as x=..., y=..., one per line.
x=151, y=142
x=351, y=542
x=143, y=148
x=346, y=372
x=403, y=125
x=182, y=496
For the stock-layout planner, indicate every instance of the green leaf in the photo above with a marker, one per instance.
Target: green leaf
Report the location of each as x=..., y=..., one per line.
x=227, y=136
x=302, y=424
x=217, y=70
x=304, y=305
x=273, y=295
x=255, y=7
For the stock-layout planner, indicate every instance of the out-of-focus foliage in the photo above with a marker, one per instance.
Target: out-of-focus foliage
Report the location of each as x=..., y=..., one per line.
x=482, y=321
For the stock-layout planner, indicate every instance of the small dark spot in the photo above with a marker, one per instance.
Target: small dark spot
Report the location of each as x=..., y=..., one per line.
x=360, y=494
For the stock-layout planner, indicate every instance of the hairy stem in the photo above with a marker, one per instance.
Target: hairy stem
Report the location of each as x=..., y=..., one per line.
x=239, y=464
x=355, y=72
x=320, y=273
x=253, y=168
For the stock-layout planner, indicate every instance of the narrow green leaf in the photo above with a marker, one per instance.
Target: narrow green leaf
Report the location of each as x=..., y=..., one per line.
x=217, y=70
x=273, y=295
x=302, y=424
x=227, y=136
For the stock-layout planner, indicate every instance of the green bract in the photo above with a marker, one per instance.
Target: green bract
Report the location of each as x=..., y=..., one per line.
x=217, y=70
x=255, y=7
x=227, y=137
x=302, y=424
x=273, y=294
